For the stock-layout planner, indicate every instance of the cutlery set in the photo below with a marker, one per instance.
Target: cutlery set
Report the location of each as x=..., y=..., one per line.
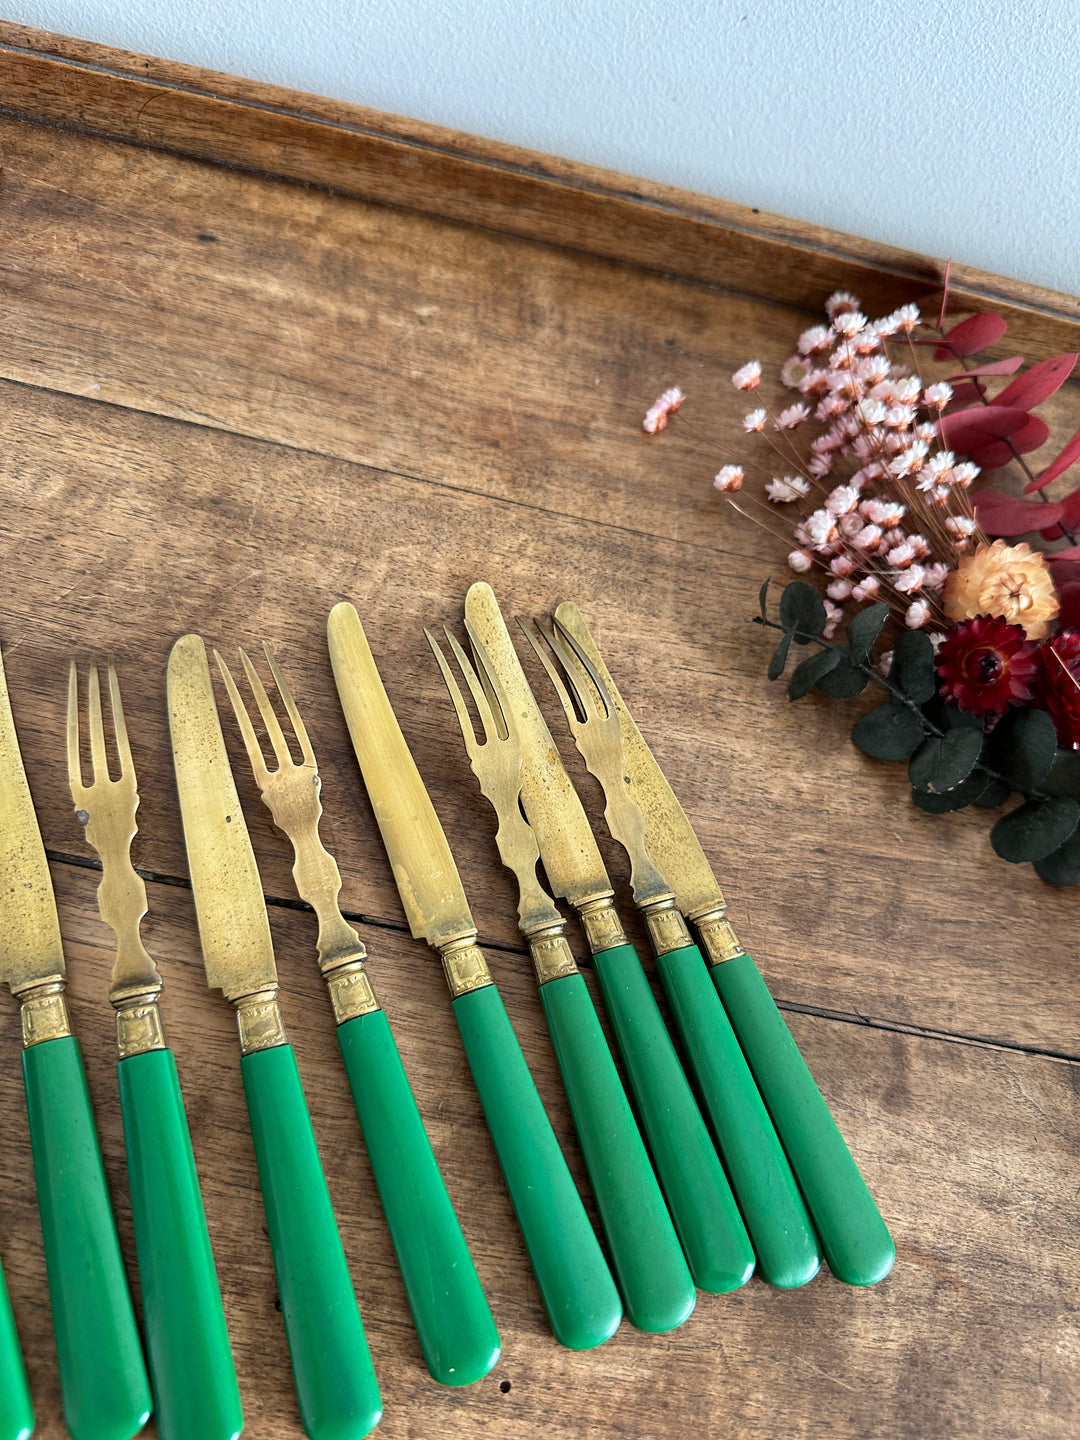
x=719, y=1159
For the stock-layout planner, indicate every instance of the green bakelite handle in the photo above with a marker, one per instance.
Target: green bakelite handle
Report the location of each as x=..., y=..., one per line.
x=335, y=1381
x=103, y=1382
x=772, y=1207
x=699, y=1197
x=191, y=1366
x=575, y=1283
x=645, y=1252
x=16, y=1412
x=453, y=1322
x=857, y=1246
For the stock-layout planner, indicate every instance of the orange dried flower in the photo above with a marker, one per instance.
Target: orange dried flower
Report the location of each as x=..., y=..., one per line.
x=1012, y=581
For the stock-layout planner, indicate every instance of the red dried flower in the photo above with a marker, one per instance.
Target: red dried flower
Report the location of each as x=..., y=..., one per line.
x=985, y=665
x=1058, y=689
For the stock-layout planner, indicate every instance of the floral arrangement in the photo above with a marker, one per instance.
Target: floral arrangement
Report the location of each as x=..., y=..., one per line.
x=972, y=632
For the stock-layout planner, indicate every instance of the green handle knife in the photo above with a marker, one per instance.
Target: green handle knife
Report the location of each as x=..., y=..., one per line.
x=854, y=1238
x=16, y=1411
x=575, y=1283
x=191, y=1366
x=336, y=1388
x=103, y=1381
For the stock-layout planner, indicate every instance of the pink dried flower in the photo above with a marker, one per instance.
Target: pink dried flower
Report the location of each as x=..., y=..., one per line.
x=906, y=318
x=910, y=580
x=748, y=376
x=848, y=323
x=899, y=417
x=656, y=417
x=882, y=512
x=867, y=539
x=927, y=432
x=819, y=466
x=960, y=527
x=874, y=371
x=793, y=372
x=935, y=576
x=842, y=565
x=901, y=555
x=910, y=460
x=800, y=561
x=729, y=478
x=866, y=341
x=833, y=614
x=872, y=411
x=964, y=474
x=936, y=397
x=839, y=302
x=842, y=500
x=814, y=384
x=907, y=391
x=790, y=487
x=866, y=589
x=792, y=416
x=916, y=616
x=815, y=340
x=839, y=589
x=850, y=525
x=831, y=406
x=820, y=528
x=755, y=420
x=892, y=538
x=920, y=545
x=884, y=663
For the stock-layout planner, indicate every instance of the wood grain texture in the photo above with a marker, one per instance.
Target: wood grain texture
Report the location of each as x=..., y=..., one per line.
x=227, y=403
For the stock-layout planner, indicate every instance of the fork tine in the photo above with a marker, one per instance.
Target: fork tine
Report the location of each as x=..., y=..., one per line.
x=98, y=757
x=127, y=765
x=496, y=696
x=556, y=679
x=290, y=706
x=74, y=754
x=488, y=718
x=468, y=734
x=243, y=719
x=266, y=710
x=570, y=649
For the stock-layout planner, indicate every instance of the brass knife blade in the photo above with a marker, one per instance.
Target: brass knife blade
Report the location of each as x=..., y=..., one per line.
x=670, y=837
x=568, y=847
x=424, y=869
x=233, y=929
x=31, y=951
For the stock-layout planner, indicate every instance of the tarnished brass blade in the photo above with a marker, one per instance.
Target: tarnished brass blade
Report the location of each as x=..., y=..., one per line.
x=235, y=935
x=31, y=951
x=426, y=876
x=669, y=835
x=567, y=846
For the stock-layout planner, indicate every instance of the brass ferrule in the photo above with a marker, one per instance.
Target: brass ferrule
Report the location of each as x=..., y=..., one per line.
x=601, y=923
x=350, y=991
x=718, y=938
x=464, y=966
x=44, y=1015
x=139, y=1027
x=259, y=1021
x=551, y=955
x=666, y=926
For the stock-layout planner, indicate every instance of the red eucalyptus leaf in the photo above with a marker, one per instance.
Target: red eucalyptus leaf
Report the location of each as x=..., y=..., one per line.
x=999, y=452
x=977, y=332
x=1069, y=614
x=1057, y=466
x=993, y=367
x=1069, y=519
x=1008, y=515
x=965, y=392
x=1065, y=566
x=978, y=425
x=1038, y=383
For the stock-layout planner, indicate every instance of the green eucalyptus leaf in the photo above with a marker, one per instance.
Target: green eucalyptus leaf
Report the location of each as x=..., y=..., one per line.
x=864, y=628
x=844, y=679
x=763, y=595
x=779, y=657
x=942, y=763
x=1063, y=777
x=809, y=672
x=967, y=792
x=802, y=609
x=1035, y=830
x=1062, y=866
x=913, y=666
x=995, y=794
x=1022, y=748
x=888, y=732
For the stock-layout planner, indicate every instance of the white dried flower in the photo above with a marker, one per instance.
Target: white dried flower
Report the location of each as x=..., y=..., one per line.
x=866, y=589
x=729, y=478
x=819, y=466
x=814, y=384
x=882, y=512
x=821, y=528
x=920, y=545
x=959, y=526
x=873, y=370
x=791, y=417
x=831, y=406
x=842, y=565
x=884, y=663
x=918, y=613
x=892, y=538
x=907, y=391
x=755, y=420
x=833, y=615
x=848, y=323
x=906, y=318
x=901, y=555
x=927, y=431
x=868, y=538
x=800, y=561
x=783, y=490
x=656, y=417
x=866, y=341
x=872, y=411
x=910, y=460
x=936, y=397
x=964, y=474
x=935, y=576
x=839, y=302
x=850, y=525
x=842, y=500
x=839, y=589
x=815, y=340
x=910, y=580
x=793, y=372
x=748, y=376
x=899, y=417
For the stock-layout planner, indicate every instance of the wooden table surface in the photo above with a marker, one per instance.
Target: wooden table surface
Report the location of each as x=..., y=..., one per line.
x=230, y=400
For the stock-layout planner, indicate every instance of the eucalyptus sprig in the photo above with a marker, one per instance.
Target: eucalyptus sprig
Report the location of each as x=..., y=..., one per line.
x=954, y=759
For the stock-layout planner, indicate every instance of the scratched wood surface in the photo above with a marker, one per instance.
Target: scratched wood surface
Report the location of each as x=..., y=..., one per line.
x=230, y=400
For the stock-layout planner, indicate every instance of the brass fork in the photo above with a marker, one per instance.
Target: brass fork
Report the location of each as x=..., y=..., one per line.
x=496, y=763
x=291, y=794
x=106, y=807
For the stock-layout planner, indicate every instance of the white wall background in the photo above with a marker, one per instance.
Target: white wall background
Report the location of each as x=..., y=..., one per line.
x=951, y=128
